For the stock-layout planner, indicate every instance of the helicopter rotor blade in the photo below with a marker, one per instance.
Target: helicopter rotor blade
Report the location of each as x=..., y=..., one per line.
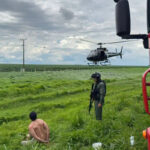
x=88, y=41
x=119, y=42
x=126, y=41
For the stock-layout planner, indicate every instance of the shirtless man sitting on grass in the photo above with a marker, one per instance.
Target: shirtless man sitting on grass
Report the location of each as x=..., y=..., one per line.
x=38, y=130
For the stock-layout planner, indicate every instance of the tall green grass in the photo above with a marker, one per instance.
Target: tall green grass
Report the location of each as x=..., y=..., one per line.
x=61, y=98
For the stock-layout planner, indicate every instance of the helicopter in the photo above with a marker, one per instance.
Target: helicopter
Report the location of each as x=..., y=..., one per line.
x=101, y=54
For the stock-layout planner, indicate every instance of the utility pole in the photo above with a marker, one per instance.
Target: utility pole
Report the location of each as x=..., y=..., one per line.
x=23, y=63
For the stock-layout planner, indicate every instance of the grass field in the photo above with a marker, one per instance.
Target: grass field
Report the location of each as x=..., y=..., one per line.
x=61, y=98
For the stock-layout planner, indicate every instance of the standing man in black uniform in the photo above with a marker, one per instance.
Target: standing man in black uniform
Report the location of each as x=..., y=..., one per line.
x=98, y=93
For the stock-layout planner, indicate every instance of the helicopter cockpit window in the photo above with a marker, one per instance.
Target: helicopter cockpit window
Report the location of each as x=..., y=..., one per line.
x=92, y=53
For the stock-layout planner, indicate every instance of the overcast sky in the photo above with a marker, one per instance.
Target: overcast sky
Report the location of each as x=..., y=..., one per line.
x=52, y=29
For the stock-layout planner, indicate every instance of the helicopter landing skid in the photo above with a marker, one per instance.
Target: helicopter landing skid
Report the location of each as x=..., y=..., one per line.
x=92, y=64
x=105, y=63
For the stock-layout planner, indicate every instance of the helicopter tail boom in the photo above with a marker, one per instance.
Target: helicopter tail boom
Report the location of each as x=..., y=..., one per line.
x=112, y=54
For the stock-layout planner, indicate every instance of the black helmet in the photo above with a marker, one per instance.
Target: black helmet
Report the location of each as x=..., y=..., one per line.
x=96, y=75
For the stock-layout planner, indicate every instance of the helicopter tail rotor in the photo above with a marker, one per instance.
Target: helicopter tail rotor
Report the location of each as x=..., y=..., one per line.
x=121, y=52
x=116, y=50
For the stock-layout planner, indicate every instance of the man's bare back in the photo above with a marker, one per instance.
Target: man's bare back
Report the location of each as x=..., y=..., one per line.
x=39, y=130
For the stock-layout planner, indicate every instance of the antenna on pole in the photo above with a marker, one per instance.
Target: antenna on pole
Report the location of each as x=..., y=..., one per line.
x=23, y=62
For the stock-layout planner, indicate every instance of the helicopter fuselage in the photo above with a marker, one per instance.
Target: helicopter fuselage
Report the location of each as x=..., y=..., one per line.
x=102, y=54
x=96, y=55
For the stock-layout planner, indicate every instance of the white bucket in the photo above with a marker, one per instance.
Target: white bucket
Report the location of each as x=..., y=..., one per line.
x=97, y=146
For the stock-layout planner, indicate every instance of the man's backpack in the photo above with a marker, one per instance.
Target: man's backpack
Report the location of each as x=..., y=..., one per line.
x=104, y=86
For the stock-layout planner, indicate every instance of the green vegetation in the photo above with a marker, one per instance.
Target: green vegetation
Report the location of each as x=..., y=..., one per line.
x=61, y=98
x=35, y=67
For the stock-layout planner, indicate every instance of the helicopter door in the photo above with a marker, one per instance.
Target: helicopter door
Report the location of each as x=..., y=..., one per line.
x=102, y=55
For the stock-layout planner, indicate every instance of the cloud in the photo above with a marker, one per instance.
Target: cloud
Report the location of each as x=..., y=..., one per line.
x=29, y=16
x=67, y=14
x=58, y=26
x=7, y=18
